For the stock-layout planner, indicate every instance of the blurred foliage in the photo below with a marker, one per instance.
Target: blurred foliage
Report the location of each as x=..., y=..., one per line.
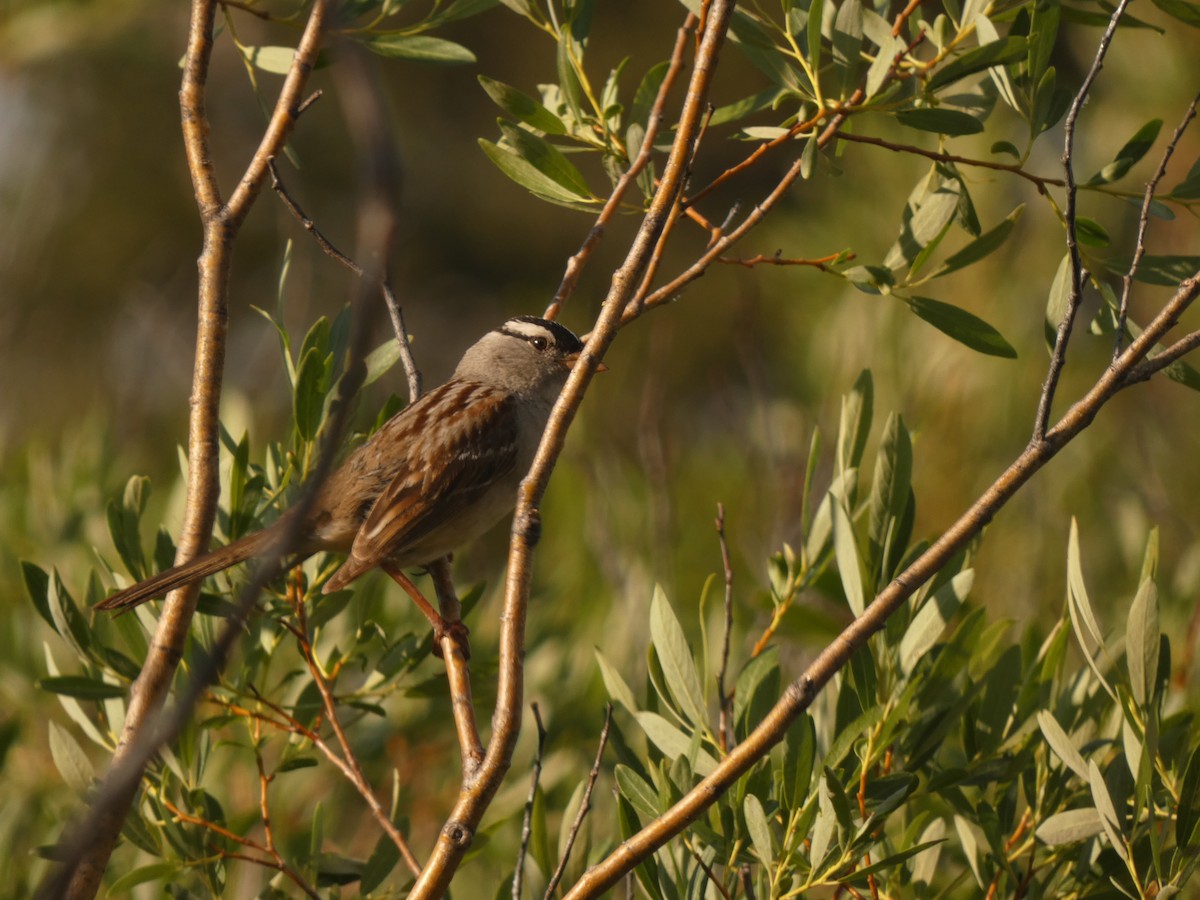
x=717, y=400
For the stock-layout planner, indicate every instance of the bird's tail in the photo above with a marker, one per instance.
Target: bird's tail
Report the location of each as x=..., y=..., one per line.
x=209, y=563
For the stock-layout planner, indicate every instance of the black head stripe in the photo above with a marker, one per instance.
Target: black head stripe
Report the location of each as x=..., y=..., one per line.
x=564, y=338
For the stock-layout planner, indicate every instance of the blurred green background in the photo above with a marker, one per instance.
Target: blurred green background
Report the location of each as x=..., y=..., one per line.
x=713, y=399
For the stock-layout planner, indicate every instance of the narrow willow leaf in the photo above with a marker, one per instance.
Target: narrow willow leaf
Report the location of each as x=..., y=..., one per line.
x=544, y=157
x=893, y=478
x=520, y=105
x=277, y=60
x=925, y=865
x=816, y=11
x=997, y=53
x=969, y=842
x=825, y=828
x=982, y=246
x=1070, y=826
x=419, y=48
x=1006, y=147
x=1090, y=232
x=1183, y=10
x=1060, y=294
x=1060, y=742
x=70, y=760
x=931, y=620
x=849, y=560
x=527, y=175
x=760, y=831
x=1187, y=820
x=1133, y=150
x=854, y=426
x=1077, y=592
x=966, y=328
x=617, y=689
x=312, y=385
x=672, y=742
x=81, y=687
x=637, y=791
x=675, y=656
x=1142, y=643
x=163, y=872
x=1189, y=188
x=799, y=753
x=379, y=864
x=1109, y=820
x=1167, y=271
x=940, y=120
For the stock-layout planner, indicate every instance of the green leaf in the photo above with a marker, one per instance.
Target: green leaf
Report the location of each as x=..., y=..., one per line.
x=1060, y=294
x=1083, y=620
x=1070, y=826
x=854, y=426
x=760, y=831
x=982, y=246
x=536, y=165
x=1185, y=11
x=617, y=689
x=312, y=385
x=1091, y=232
x=81, y=687
x=637, y=791
x=1167, y=271
x=1060, y=742
x=966, y=328
x=379, y=865
x=1006, y=147
x=1187, y=832
x=1135, y=148
x=70, y=760
x=931, y=619
x=277, y=60
x=849, y=559
x=799, y=753
x=816, y=10
x=893, y=477
x=675, y=656
x=997, y=53
x=1142, y=643
x=940, y=120
x=418, y=48
x=756, y=691
x=164, y=872
x=1109, y=820
x=672, y=742
x=522, y=106
x=1189, y=188
x=37, y=585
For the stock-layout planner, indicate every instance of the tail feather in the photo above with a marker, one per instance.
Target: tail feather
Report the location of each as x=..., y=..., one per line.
x=201, y=567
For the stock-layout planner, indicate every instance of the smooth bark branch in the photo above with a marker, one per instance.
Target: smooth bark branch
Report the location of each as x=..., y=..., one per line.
x=800, y=693
x=89, y=846
x=476, y=794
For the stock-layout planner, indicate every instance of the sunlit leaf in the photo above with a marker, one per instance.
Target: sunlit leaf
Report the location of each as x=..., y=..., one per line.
x=418, y=48
x=966, y=328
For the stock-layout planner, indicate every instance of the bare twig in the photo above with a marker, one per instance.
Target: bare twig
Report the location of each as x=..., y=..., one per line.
x=708, y=872
x=1139, y=249
x=937, y=156
x=269, y=857
x=527, y=820
x=722, y=696
x=395, y=313
x=1058, y=357
x=585, y=806
x=576, y=263
x=352, y=767
x=777, y=260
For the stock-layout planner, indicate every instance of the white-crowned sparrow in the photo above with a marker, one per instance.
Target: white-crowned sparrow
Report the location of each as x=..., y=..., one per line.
x=437, y=474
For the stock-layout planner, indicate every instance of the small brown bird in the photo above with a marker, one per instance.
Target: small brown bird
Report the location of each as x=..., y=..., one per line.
x=437, y=474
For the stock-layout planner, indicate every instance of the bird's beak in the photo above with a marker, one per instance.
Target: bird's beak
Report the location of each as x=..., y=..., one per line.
x=569, y=362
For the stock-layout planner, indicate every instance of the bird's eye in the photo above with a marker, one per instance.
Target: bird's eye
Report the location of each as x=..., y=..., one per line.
x=539, y=343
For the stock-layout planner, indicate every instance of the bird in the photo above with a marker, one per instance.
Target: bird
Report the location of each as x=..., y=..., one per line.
x=435, y=476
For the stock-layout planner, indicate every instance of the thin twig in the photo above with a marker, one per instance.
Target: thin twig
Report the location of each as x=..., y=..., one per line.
x=727, y=567
x=272, y=860
x=1139, y=249
x=822, y=263
x=578, y=261
x=747, y=882
x=527, y=820
x=585, y=806
x=938, y=156
x=352, y=766
x=708, y=872
x=1058, y=358
x=1186, y=344
x=395, y=313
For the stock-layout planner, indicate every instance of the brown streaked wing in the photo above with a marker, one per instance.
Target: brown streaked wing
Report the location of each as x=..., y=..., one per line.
x=456, y=475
